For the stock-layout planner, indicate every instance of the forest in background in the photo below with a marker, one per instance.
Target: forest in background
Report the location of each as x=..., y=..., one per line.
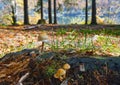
x=108, y=11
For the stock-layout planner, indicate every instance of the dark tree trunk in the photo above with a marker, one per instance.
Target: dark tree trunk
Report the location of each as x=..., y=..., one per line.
x=86, y=13
x=49, y=12
x=55, y=14
x=26, y=19
x=41, y=9
x=93, y=22
x=14, y=15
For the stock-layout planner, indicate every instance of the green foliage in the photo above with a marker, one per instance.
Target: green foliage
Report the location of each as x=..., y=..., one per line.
x=55, y=46
x=50, y=70
x=107, y=44
x=83, y=22
x=41, y=21
x=19, y=23
x=3, y=25
x=7, y=19
x=86, y=42
x=37, y=7
x=70, y=3
x=60, y=8
x=101, y=31
x=61, y=31
x=109, y=21
x=75, y=20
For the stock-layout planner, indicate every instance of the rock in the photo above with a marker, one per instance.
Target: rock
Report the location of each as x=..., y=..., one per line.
x=95, y=63
x=45, y=56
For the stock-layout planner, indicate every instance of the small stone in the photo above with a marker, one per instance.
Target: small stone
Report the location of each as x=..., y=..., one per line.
x=82, y=67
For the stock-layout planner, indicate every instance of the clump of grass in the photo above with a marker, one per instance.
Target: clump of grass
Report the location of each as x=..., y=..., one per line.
x=103, y=31
x=74, y=40
x=50, y=70
x=3, y=25
x=61, y=31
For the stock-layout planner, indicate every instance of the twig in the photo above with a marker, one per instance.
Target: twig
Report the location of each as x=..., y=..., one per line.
x=42, y=48
x=23, y=78
x=65, y=82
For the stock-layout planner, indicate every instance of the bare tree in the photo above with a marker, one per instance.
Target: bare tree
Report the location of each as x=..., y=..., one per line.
x=26, y=18
x=86, y=13
x=94, y=21
x=11, y=6
x=55, y=14
x=49, y=11
x=41, y=4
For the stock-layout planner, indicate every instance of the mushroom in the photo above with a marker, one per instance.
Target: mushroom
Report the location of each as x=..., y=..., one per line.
x=66, y=66
x=60, y=74
x=44, y=38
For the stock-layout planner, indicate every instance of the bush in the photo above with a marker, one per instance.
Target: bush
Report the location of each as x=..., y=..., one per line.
x=41, y=21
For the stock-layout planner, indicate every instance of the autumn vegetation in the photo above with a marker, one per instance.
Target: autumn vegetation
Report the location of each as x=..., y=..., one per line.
x=40, y=45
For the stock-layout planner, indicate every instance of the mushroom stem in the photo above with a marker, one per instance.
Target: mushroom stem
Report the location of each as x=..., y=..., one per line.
x=42, y=48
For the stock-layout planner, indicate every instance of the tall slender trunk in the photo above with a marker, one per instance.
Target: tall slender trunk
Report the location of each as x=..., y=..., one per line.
x=49, y=11
x=86, y=13
x=55, y=13
x=41, y=9
x=26, y=19
x=14, y=14
x=94, y=21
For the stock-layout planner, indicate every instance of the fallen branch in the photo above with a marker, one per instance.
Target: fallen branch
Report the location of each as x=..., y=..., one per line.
x=23, y=78
x=65, y=82
x=31, y=27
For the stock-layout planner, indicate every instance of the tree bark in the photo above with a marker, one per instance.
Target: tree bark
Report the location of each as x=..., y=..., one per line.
x=93, y=22
x=86, y=13
x=14, y=15
x=26, y=19
x=41, y=9
x=49, y=12
x=55, y=13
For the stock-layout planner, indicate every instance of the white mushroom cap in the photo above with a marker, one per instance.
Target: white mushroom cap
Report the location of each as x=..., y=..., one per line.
x=45, y=41
x=43, y=36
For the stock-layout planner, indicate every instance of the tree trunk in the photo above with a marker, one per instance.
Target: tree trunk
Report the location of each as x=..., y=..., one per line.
x=26, y=19
x=55, y=16
x=93, y=22
x=14, y=15
x=41, y=9
x=49, y=12
x=86, y=13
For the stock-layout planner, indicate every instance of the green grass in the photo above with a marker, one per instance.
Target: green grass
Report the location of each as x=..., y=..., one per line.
x=81, y=41
x=3, y=26
x=104, y=31
x=106, y=37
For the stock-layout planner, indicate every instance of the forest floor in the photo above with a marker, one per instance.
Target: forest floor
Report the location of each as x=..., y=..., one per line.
x=95, y=48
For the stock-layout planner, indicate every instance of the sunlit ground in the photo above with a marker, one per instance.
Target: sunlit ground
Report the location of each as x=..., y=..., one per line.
x=100, y=42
